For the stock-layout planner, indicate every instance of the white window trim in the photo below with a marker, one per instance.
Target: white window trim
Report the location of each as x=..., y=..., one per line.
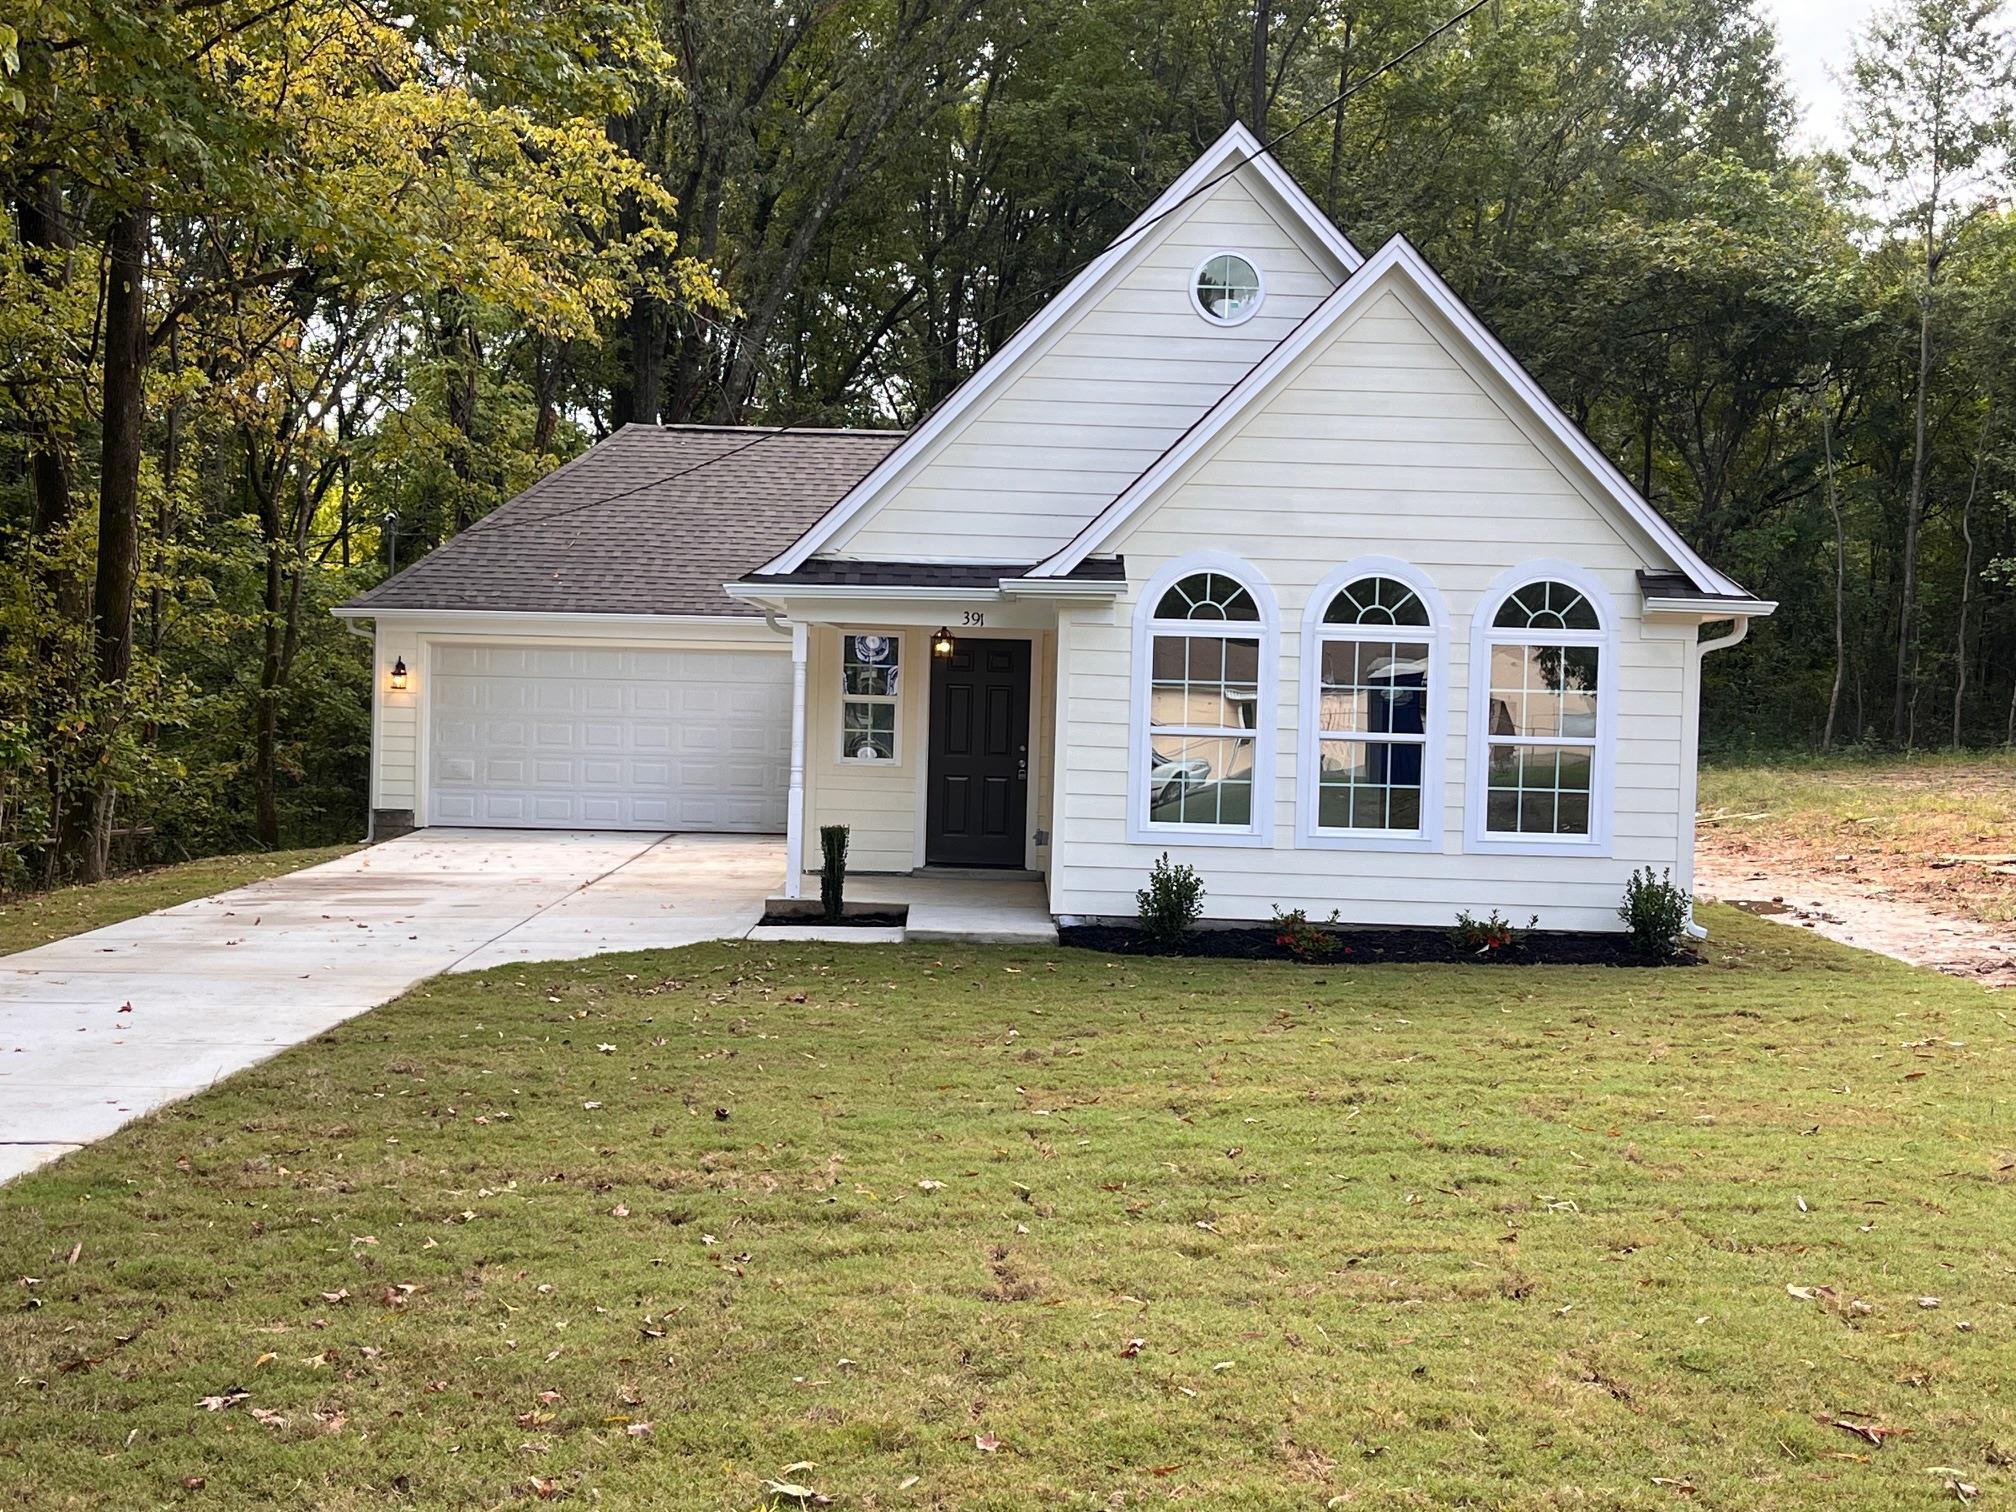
x=1259, y=285
x=1429, y=836
x=1603, y=779
x=1140, y=829
x=895, y=701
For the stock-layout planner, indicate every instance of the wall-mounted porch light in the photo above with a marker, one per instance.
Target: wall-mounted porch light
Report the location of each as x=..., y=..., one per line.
x=399, y=675
x=942, y=643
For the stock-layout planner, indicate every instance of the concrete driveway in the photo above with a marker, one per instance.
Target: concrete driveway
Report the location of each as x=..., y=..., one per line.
x=102, y=1027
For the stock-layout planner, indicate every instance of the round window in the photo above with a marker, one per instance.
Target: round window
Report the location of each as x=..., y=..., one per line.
x=1227, y=289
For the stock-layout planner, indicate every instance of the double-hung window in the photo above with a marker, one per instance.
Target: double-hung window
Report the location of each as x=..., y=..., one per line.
x=1202, y=754
x=870, y=682
x=1370, y=690
x=1544, y=716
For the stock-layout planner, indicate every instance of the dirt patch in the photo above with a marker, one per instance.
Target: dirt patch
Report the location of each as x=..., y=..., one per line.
x=1844, y=901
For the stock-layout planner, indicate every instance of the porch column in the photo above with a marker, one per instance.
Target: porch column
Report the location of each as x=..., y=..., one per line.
x=794, y=810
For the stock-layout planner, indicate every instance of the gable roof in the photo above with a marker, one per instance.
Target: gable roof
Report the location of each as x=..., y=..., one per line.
x=1238, y=151
x=651, y=520
x=1399, y=258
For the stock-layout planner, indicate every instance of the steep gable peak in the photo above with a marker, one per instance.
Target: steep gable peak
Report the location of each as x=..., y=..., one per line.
x=1236, y=160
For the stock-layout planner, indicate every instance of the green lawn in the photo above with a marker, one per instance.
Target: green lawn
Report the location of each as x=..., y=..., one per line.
x=31, y=919
x=998, y=1228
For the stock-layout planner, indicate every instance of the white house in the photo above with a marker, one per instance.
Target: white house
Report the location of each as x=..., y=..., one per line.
x=1246, y=548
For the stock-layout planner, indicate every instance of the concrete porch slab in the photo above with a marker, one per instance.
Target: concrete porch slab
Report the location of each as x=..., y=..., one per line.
x=1005, y=911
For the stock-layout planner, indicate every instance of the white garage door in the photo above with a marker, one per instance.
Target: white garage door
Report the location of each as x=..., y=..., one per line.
x=576, y=738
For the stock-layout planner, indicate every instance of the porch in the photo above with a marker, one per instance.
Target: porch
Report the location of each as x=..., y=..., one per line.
x=924, y=719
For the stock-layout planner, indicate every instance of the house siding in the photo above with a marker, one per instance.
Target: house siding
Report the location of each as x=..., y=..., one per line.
x=1382, y=443
x=1100, y=399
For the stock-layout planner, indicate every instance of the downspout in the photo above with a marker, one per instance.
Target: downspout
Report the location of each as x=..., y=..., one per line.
x=794, y=803
x=356, y=628
x=1701, y=649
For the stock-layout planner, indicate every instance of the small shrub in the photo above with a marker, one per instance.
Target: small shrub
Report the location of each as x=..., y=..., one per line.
x=1654, y=912
x=1172, y=902
x=832, y=870
x=1305, y=941
x=1486, y=936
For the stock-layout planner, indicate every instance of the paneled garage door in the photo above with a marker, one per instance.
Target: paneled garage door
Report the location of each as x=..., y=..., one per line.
x=576, y=738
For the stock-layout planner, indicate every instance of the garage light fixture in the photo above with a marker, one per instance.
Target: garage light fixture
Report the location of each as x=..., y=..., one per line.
x=942, y=643
x=399, y=675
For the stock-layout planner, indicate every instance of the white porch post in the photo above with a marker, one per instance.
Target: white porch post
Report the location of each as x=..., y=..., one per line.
x=794, y=811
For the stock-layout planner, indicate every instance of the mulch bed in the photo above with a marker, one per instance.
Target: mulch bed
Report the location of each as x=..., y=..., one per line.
x=799, y=913
x=1376, y=946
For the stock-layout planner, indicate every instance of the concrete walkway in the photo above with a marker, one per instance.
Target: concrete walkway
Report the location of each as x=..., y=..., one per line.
x=102, y=1027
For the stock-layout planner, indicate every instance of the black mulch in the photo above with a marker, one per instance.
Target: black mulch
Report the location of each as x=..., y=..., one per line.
x=1370, y=946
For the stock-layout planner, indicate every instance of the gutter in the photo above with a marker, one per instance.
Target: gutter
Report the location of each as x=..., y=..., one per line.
x=1705, y=648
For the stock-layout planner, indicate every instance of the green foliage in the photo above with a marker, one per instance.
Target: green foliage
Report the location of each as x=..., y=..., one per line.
x=1488, y=936
x=1301, y=939
x=1172, y=902
x=1654, y=912
x=833, y=870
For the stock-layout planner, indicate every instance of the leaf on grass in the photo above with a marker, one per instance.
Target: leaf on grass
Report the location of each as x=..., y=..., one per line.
x=545, y=1487
x=231, y=1396
x=986, y=1443
x=619, y=1211
x=1131, y=1348
x=341, y=1294
x=637, y=1430
x=928, y=1185
x=1873, y=1433
x=267, y=1416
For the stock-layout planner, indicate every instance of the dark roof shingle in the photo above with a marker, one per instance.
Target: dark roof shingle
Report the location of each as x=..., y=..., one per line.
x=652, y=520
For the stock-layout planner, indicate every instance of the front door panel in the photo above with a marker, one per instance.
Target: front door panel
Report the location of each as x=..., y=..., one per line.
x=978, y=803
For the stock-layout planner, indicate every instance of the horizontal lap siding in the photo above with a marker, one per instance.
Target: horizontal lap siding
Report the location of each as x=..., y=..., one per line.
x=1103, y=398
x=1382, y=444
x=877, y=802
x=395, y=742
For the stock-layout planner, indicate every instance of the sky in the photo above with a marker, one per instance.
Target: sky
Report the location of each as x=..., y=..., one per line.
x=1813, y=39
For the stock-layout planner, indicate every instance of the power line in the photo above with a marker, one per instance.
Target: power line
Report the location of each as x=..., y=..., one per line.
x=1125, y=237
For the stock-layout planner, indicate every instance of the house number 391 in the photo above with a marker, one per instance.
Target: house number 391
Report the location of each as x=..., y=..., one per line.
x=973, y=617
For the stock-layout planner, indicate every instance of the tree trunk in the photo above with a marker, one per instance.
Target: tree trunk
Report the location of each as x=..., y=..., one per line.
x=86, y=839
x=1840, y=583
x=1914, y=512
x=1967, y=576
x=1258, y=84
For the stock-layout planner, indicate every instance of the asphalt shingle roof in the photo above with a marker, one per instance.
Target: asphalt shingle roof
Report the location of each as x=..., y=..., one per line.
x=652, y=520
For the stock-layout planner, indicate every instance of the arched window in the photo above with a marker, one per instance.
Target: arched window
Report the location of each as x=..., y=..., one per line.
x=1372, y=691
x=1544, y=675
x=1202, y=748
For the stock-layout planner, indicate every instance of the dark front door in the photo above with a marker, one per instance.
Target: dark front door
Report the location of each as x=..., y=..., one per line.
x=979, y=798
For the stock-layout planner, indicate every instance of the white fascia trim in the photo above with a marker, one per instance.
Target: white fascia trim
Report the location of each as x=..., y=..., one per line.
x=776, y=592
x=1397, y=256
x=537, y=616
x=1073, y=588
x=1237, y=142
x=1706, y=609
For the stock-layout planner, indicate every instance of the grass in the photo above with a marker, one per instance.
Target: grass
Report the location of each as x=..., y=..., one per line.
x=1901, y=818
x=1228, y=1234
x=31, y=919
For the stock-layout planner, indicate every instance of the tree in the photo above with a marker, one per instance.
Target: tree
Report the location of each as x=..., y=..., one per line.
x=1930, y=84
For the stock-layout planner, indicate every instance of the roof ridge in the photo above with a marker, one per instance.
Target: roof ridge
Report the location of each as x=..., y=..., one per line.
x=771, y=430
